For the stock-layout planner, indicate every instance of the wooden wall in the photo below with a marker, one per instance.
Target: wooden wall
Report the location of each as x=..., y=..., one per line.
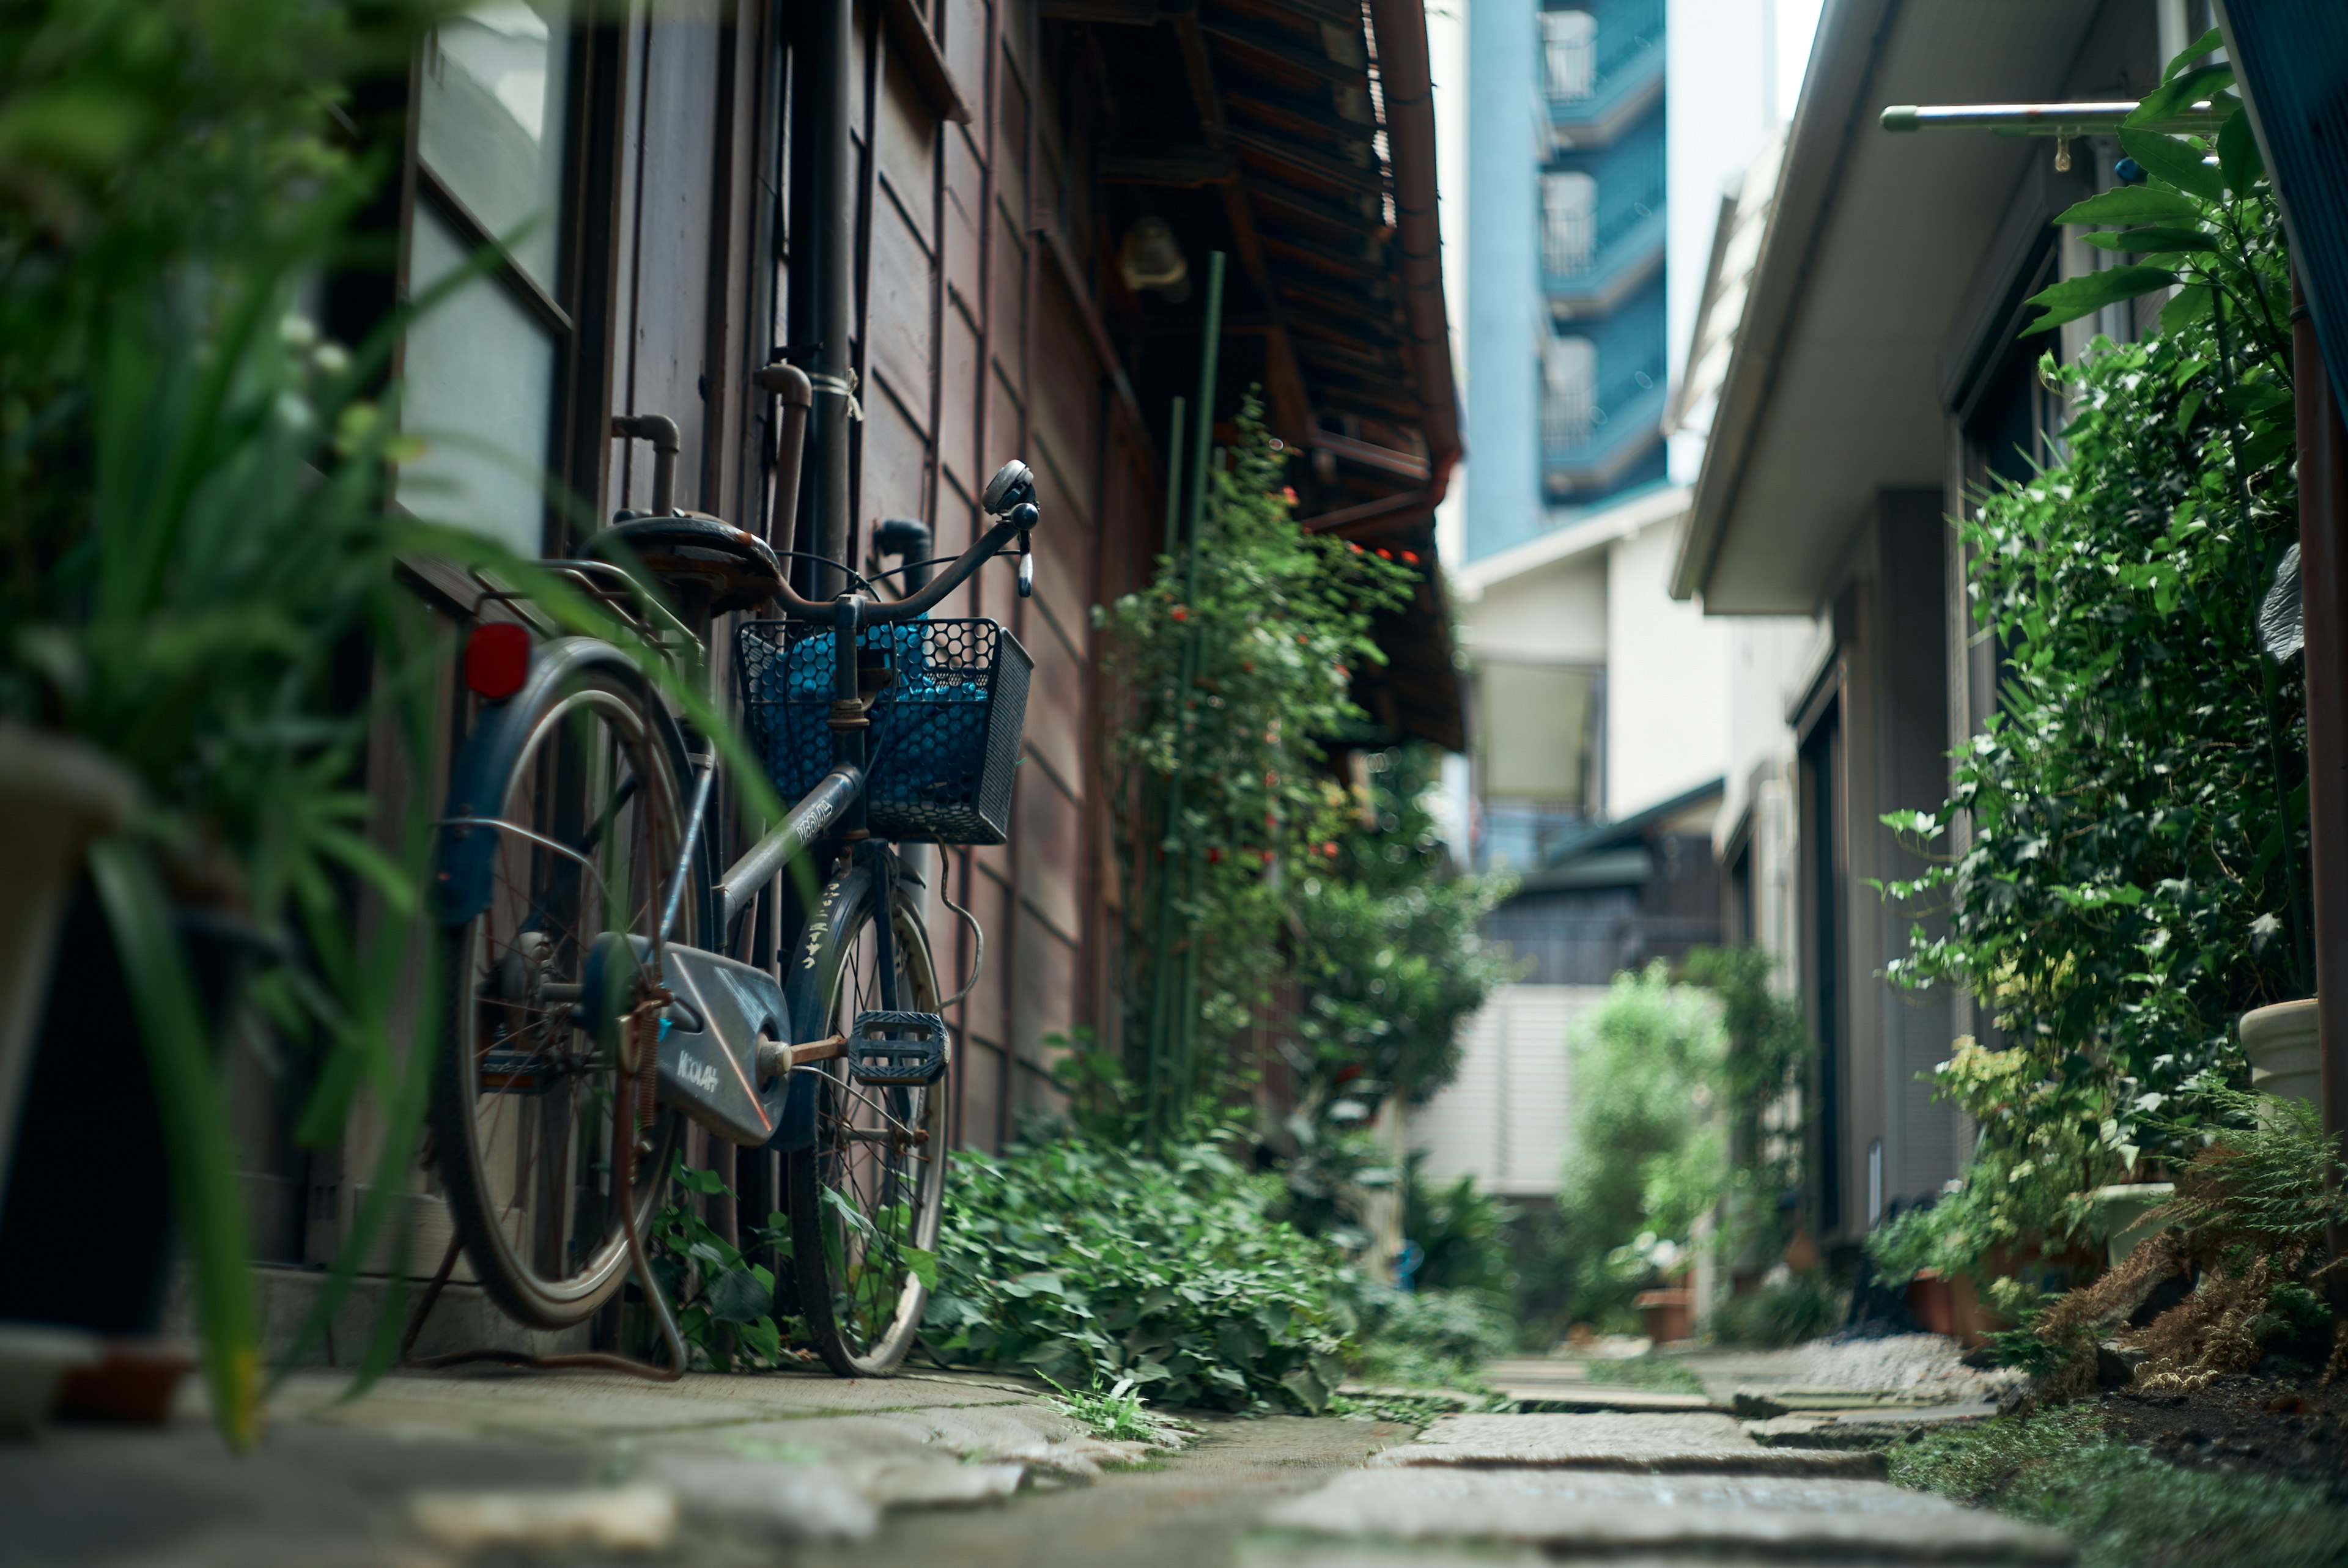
x=976, y=343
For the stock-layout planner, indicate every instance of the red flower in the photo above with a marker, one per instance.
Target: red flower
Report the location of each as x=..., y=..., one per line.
x=1182, y=612
x=1384, y=553
x=1268, y=857
x=1411, y=557
x=1288, y=493
x=1330, y=849
x=1353, y=547
x=1213, y=856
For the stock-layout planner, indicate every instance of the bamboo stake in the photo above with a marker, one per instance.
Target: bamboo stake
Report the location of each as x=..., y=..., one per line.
x=1202, y=440
x=1153, y=1066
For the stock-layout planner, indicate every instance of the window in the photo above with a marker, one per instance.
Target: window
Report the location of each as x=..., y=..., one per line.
x=1569, y=391
x=1569, y=222
x=1570, y=55
x=483, y=366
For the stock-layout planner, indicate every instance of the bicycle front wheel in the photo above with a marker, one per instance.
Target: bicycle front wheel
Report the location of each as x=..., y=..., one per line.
x=590, y=819
x=865, y=1199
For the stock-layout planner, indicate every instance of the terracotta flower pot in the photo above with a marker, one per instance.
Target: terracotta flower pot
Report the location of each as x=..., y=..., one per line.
x=1669, y=1314
x=1950, y=1305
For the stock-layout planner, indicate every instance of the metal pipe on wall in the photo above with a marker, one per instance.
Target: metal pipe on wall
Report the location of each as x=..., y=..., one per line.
x=822, y=262
x=2324, y=589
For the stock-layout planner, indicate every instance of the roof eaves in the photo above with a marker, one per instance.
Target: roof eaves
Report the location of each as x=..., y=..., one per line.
x=1827, y=121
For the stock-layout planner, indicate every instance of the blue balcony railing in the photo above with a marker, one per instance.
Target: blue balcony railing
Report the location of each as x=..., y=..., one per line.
x=1625, y=414
x=1589, y=258
x=1590, y=71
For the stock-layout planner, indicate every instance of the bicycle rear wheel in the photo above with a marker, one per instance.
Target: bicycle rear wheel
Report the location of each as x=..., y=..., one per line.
x=865, y=1199
x=527, y=1109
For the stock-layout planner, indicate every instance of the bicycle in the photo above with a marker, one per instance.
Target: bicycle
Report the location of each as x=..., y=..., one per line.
x=592, y=1002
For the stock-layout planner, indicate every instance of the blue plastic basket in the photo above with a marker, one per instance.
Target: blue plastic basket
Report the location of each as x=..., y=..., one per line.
x=944, y=742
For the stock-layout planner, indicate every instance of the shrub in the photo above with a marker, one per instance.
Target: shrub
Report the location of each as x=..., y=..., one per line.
x=1229, y=668
x=1643, y=1165
x=1436, y=1338
x=2128, y=877
x=1461, y=1232
x=1094, y=1266
x=1780, y=1312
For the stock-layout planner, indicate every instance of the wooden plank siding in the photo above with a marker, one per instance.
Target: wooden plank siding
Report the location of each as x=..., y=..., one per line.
x=989, y=319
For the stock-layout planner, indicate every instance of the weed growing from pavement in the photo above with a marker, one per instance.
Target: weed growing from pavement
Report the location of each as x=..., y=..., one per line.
x=1664, y=1374
x=1117, y=1415
x=2126, y=1507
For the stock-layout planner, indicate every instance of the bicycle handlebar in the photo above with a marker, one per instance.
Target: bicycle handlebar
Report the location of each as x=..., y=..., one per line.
x=1011, y=494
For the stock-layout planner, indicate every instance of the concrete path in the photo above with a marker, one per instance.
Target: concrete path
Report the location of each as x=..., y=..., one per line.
x=429, y=1471
x=933, y=1471
x=1656, y=1490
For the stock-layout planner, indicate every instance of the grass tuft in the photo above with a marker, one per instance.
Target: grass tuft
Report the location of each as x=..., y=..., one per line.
x=2126, y=1507
x=1119, y=1415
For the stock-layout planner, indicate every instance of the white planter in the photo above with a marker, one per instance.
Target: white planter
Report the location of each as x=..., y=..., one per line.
x=2122, y=1216
x=55, y=795
x=2285, y=1051
x=32, y=1361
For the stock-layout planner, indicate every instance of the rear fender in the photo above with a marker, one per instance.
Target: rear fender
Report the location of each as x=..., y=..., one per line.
x=464, y=854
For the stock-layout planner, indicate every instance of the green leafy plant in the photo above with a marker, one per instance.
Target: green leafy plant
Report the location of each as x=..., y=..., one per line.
x=1762, y=1075
x=2132, y=821
x=1434, y=1338
x=1231, y=671
x=1388, y=957
x=1094, y=1265
x=200, y=567
x=1783, y=1311
x=1461, y=1232
x=724, y=1302
x=1116, y=1414
x=1644, y=1161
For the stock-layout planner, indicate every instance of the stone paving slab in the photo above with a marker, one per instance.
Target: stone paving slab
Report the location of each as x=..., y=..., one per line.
x=1615, y=1441
x=1568, y=1397
x=574, y=1406
x=1579, y=1512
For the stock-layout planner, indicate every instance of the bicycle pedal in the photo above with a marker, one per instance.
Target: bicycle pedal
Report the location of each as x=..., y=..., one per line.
x=879, y=1054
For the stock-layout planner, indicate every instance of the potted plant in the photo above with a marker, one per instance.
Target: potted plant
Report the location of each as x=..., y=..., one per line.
x=201, y=586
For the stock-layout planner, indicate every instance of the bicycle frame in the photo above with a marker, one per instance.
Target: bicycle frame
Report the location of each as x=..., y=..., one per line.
x=726, y=1056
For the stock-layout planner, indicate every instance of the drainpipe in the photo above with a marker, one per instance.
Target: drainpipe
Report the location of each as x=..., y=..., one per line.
x=2324, y=590
x=1408, y=85
x=822, y=236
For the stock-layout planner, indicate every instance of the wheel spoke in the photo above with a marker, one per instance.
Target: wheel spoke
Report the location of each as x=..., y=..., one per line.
x=530, y=1108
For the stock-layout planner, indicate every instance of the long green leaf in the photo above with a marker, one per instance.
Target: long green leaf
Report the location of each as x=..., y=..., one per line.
x=2173, y=160
x=194, y=1105
x=2178, y=94
x=2132, y=204
x=2191, y=304
x=2208, y=43
x=2075, y=297
x=2237, y=153
x=2136, y=241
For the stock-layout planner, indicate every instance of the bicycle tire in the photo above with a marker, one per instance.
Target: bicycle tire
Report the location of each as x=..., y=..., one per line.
x=522, y=1103
x=862, y=1303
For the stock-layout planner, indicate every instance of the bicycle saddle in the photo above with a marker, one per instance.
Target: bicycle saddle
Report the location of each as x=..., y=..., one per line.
x=707, y=564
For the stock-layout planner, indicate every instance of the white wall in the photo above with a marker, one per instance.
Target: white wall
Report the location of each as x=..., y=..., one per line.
x=1553, y=612
x=1772, y=660
x=1667, y=673
x=1505, y=1119
x=1736, y=67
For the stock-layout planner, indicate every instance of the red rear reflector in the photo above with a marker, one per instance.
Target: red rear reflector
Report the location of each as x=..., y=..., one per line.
x=497, y=659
